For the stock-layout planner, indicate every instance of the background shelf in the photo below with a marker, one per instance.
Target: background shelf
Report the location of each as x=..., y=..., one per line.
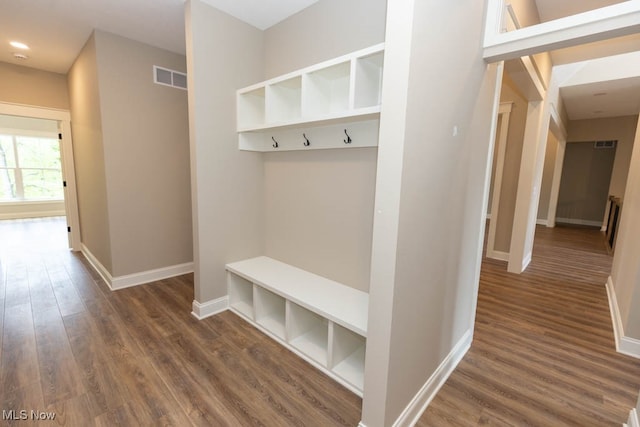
x=368, y=80
x=240, y=295
x=308, y=332
x=251, y=108
x=284, y=100
x=270, y=311
x=347, y=355
x=327, y=90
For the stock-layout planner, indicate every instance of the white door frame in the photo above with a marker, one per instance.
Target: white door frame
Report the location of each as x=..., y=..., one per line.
x=66, y=154
x=500, y=147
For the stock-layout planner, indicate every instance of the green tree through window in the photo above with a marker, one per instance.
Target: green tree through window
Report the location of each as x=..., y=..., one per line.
x=30, y=168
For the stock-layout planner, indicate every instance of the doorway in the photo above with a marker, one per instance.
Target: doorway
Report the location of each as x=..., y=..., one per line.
x=37, y=175
x=584, y=187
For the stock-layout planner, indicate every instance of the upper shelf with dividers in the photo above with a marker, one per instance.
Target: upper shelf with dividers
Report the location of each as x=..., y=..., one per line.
x=338, y=91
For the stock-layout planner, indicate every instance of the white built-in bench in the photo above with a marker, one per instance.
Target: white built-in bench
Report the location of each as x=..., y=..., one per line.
x=321, y=320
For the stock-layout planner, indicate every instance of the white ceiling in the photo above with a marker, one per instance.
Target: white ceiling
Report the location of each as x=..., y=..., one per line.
x=56, y=30
x=261, y=14
x=611, y=98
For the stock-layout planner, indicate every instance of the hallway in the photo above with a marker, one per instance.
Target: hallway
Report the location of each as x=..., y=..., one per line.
x=543, y=351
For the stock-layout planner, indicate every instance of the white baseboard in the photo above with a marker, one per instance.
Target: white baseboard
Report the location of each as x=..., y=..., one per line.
x=634, y=420
x=23, y=215
x=499, y=255
x=421, y=400
x=121, y=282
x=624, y=345
x=526, y=261
x=97, y=265
x=203, y=310
x=579, y=222
x=542, y=222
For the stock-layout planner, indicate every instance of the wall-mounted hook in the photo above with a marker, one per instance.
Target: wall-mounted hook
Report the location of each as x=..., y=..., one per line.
x=348, y=140
x=306, y=142
x=275, y=143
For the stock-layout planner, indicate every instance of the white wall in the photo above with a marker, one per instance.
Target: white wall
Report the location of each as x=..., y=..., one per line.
x=319, y=204
x=625, y=271
x=327, y=29
x=15, y=210
x=146, y=153
x=621, y=129
x=511, y=167
x=547, y=177
x=430, y=198
x=226, y=187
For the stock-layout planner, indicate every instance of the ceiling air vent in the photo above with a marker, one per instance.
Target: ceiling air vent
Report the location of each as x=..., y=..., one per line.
x=605, y=144
x=166, y=77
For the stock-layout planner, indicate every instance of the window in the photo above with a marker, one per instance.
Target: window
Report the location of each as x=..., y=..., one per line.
x=30, y=168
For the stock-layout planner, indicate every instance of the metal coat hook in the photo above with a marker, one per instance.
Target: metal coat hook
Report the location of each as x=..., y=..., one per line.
x=306, y=142
x=348, y=140
x=275, y=143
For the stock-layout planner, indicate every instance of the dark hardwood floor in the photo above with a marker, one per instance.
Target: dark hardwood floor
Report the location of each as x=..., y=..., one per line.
x=136, y=356
x=543, y=352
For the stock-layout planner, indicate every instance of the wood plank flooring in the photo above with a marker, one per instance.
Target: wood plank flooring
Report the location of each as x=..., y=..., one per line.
x=543, y=352
x=137, y=356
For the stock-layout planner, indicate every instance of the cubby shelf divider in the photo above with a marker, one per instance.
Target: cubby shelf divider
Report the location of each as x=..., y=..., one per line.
x=321, y=320
x=338, y=92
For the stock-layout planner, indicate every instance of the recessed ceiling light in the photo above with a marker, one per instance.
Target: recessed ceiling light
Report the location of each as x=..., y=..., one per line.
x=20, y=56
x=19, y=45
x=600, y=94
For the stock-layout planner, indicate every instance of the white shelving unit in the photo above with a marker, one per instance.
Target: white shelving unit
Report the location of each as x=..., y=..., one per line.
x=321, y=320
x=316, y=107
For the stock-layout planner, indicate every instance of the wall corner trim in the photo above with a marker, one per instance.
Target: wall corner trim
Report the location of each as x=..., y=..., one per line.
x=499, y=255
x=129, y=280
x=97, y=265
x=421, y=400
x=634, y=420
x=206, y=309
x=624, y=345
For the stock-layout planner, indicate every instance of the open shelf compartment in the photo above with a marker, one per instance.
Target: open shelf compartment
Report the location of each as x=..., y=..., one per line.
x=347, y=355
x=240, y=294
x=270, y=311
x=308, y=332
x=368, y=80
x=251, y=108
x=326, y=90
x=284, y=101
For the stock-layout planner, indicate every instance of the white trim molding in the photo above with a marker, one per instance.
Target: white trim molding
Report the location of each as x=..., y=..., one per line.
x=586, y=222
x=129, y=280
x=97, y=265
x=31, y=214
x=542, y=222
x=595, y=25
x=206, y=309
x=421, y=400
x=501, y=147
x=499, y=255
x=634, y=420
x=624, y=345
